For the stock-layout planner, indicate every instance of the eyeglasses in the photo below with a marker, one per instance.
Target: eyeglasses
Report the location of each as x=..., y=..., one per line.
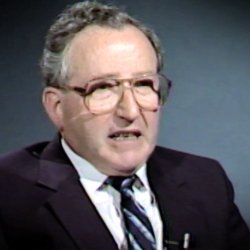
x=103, y=95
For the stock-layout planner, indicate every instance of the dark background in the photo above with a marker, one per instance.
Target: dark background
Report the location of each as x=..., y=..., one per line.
x=207, y=54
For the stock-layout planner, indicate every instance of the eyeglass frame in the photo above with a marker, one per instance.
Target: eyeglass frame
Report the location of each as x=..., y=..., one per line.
x=82, y=90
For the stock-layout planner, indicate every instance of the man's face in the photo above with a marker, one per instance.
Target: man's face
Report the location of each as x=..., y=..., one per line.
x=100, y=52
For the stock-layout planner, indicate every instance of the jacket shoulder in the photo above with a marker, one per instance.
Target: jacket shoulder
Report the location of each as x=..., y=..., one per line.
x=175, y=155
x=21, y=156
x=187, y=162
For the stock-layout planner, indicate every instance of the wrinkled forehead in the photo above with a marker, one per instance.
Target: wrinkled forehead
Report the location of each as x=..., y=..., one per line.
x=105, y=50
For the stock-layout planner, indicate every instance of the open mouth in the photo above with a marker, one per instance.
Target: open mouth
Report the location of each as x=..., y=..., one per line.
x=122, y=136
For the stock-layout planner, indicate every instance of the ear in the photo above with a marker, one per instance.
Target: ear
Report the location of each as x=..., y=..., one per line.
x=52, y=102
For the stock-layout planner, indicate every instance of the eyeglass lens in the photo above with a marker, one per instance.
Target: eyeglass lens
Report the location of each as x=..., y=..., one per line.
x=103, y=95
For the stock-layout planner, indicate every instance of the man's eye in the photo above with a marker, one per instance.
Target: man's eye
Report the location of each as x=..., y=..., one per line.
x=144, y=83
x=100, y=86
x=104, y=85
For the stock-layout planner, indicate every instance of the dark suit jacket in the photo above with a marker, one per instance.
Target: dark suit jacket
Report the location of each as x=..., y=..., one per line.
x=43, y=205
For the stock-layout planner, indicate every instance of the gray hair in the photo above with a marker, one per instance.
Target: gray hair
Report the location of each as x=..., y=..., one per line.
x=54, y=63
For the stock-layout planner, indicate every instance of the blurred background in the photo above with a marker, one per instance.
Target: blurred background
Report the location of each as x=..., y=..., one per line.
x=207, y=55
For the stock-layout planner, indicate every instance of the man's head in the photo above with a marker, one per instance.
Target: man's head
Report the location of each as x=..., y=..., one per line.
x=112, y=126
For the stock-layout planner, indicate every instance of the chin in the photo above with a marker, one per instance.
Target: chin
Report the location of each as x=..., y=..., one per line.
x=130, y=162
x=126, y=161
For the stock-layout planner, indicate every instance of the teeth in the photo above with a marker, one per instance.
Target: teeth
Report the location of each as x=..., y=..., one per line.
x=121, y=138
x=124, y=136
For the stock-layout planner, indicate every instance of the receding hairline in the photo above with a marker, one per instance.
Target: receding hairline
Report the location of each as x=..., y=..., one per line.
x=96, y=28
x=74, y=20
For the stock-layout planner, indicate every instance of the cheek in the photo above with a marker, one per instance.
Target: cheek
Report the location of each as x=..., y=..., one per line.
x=152, y=123
x=86, y=135
x=74, y=113
x=92, y=130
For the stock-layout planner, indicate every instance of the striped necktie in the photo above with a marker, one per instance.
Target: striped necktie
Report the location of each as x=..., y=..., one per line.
x=138, y=229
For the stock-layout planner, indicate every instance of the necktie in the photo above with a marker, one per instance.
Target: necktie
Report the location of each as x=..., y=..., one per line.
x=138, y=229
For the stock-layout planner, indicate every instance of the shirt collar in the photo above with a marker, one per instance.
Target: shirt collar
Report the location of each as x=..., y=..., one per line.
x=89, y=174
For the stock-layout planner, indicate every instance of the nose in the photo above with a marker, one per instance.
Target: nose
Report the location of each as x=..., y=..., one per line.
x=128, y=108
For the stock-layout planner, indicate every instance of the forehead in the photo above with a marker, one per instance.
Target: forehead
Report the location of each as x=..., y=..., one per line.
x=97, y=51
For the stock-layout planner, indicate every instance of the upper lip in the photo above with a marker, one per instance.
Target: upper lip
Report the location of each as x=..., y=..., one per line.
x=132, y=131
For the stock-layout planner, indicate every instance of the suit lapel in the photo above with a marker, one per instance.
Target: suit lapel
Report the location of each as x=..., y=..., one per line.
x=70, y=203
x=181, y=211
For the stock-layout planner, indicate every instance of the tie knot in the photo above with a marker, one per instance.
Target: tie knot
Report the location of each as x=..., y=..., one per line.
x=121, y=182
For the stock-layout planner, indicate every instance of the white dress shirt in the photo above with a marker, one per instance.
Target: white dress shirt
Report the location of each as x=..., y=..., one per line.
x=107, y=200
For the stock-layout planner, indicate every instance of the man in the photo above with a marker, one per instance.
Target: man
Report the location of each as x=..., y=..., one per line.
x=102, y=183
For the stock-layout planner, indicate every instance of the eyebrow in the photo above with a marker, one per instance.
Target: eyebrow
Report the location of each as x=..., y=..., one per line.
x=114, y=76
